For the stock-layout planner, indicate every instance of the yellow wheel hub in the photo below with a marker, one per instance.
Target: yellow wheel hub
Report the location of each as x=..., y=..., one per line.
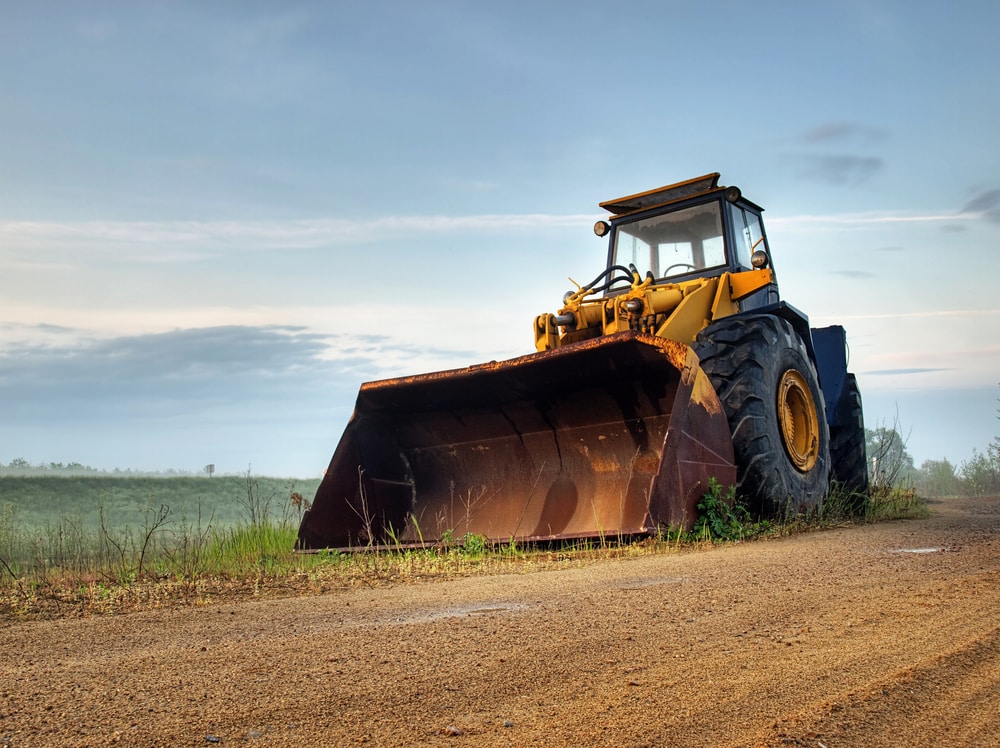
x=798, y=419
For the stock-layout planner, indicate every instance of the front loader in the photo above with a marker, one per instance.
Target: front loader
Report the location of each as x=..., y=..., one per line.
x=677, y=365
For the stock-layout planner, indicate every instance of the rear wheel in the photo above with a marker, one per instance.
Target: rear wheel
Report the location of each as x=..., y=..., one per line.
x=767, y=385
x=849, y=461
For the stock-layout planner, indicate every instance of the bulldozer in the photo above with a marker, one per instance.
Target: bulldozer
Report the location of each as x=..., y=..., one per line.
x=678, y=367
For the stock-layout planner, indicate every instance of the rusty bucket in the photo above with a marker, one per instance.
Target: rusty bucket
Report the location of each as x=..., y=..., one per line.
x=607, y=437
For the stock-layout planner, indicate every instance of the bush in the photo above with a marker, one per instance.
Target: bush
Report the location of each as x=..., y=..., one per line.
x=938, y=478
x=981, y=473
x=720, y=517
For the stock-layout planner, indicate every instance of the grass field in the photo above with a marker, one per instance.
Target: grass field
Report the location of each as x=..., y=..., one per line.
x=223, y=501
x=73, y=545
x=79, y=530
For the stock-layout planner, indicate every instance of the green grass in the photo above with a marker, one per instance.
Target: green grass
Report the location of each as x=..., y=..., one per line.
x=92, y=562
x=895, y=503
x=37, y=501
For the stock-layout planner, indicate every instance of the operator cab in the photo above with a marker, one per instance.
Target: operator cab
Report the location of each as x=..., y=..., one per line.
x=687, y=230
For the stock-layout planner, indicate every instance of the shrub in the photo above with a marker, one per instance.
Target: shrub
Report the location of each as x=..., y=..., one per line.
x=720, y=517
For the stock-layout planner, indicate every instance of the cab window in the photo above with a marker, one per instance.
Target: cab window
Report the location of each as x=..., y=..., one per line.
x=672, y=244
x=749, y=231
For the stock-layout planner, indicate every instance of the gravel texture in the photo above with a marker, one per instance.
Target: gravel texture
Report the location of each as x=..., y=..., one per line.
x=871, y=635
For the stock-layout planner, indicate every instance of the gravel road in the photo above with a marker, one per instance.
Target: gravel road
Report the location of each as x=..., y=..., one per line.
x=871, y=635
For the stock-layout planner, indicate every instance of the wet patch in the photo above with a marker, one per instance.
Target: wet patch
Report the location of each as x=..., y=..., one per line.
x=467, y=611
x=923, y=551
x=638, y=584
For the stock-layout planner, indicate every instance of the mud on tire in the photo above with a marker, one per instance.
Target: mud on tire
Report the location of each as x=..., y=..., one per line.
x=761, y=370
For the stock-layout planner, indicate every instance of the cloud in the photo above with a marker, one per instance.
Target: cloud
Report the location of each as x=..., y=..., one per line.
x=840, y=132
x=854, y=274
x=186, y=240
x=863, y=220
x=838, y=169
x=970, y=314
x=178, y=373
x=985, y=204
x=274, y=395
x=894, y=372
x=184, y=365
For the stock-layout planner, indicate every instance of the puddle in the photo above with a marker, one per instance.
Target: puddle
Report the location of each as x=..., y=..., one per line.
x=457, y=612
x=637, y=584
x=921, y=550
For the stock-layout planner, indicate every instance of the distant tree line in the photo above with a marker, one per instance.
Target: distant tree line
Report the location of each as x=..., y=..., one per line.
x=889, y=464
x=21, y=466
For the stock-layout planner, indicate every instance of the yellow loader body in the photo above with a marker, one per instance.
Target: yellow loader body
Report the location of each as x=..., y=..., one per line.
x=614, y=426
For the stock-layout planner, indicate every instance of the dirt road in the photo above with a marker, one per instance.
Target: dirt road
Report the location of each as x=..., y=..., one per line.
x=882, y=635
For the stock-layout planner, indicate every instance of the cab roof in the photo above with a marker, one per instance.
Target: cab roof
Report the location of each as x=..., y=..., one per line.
x=662, y=195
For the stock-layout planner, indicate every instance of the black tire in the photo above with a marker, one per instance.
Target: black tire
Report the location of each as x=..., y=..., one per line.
x=848, y=456
x=769, y=389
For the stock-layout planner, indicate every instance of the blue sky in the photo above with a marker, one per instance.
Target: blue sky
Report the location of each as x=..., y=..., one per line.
x=218, y=219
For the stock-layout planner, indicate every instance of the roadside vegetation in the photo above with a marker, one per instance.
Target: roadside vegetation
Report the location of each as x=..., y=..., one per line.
x=69, y=567
x=92, y=543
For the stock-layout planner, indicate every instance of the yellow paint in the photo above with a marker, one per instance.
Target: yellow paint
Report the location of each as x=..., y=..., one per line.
x=693, y=313
x=745, y=283
x=723, y=305
x=675, y=311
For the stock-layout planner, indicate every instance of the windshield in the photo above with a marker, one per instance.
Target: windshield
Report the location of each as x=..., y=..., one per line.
x=684, y=241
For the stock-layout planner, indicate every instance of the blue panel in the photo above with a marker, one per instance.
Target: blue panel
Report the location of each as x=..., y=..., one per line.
x=830, y=345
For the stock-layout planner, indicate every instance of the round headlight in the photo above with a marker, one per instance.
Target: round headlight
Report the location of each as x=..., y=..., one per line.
x=759, y=259
x=601, y=228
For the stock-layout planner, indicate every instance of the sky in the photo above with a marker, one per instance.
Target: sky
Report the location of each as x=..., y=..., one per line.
x=218, y=219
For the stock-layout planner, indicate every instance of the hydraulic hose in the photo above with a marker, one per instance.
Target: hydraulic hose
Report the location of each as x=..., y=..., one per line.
x=630, y=272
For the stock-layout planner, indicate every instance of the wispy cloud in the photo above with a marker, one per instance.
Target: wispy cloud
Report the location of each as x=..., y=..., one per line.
x=826, y=153
x=985, y=204
x=900, y=372
x=838, y=169
x=200, y=236
x=928, y=314
x=854, y=274
x=44, y=244
x=868, y=219
x=842, y=131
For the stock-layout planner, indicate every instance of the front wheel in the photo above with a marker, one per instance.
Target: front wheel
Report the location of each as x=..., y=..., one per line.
x=769, y=389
